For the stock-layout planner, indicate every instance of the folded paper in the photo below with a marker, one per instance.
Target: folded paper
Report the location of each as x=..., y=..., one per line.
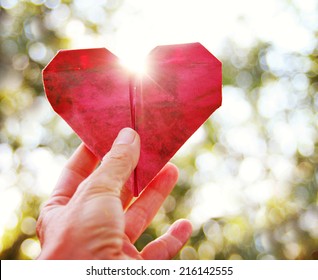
x=98, y=97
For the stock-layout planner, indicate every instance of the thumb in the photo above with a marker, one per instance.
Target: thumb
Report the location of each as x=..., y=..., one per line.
x=116, y=166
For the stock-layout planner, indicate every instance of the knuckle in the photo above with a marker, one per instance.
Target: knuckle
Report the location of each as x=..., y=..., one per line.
x=121, y=156
x=109, y=185
x=121, y=152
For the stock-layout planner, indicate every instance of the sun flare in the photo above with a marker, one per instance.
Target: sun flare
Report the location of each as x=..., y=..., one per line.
x=134, y=63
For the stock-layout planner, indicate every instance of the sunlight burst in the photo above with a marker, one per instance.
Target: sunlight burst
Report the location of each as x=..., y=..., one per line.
x=134, y=63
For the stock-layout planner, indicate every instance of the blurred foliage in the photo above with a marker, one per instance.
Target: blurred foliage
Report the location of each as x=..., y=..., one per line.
x=261, y=147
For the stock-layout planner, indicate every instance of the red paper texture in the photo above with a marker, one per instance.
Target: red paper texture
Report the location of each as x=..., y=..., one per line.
x=97, y=97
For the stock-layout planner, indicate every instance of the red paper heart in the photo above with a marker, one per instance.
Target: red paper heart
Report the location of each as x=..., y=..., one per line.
x=97, y=97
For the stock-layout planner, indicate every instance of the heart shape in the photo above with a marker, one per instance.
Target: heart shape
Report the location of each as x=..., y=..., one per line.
x=98, y=97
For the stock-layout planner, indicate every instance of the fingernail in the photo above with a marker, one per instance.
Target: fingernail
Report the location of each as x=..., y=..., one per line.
x=125, y=136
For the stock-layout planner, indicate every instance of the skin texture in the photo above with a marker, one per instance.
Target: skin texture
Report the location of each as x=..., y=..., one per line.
x=91, y=215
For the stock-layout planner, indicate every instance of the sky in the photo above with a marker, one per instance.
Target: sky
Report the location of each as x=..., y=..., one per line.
x=142, y=24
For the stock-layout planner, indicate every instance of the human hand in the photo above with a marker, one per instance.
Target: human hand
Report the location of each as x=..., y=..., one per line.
x=90, y=214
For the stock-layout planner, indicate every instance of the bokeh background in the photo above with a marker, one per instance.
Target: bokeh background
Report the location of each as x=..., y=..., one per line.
x=248, y=176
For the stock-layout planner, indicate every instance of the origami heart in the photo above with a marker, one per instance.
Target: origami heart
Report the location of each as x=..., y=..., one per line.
x=97, y=97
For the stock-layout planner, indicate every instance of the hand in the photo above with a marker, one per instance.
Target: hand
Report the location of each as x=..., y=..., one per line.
x=90, y=214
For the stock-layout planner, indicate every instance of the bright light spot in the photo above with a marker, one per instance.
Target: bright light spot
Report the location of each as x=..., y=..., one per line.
x=31, y=133
x=281, y=167
x=134, y=63
x=31, y=248
x=6, y=158
x=244, y=79
x=12, y=221
x=112, y=4
x=8, y=4
x=133, y=44
x=309, y=221
x=306, y=5
x=251, y=170
x=292, y=250
x=300, y=82
x=214, y=235
x=7, y=179
x=63, y=128
x=20, y=62
x=74, y=28
x=97, y=15
x=82, y=5
x=265, y=257
x=206, y=251
x=274, y=98
x=57, y=17
x=28, y=225
x=246, y=140
x=233, y=233
x=235, y=257
x=216, y=201
x=235, y=108
x=286, y=138
x=37, y=51
x=260, y=192
x=46, y=169
x=188, y=253
x=187, y=148
x=10, y=200
x=52, y=4
x=37, y=2
x=206, y=162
